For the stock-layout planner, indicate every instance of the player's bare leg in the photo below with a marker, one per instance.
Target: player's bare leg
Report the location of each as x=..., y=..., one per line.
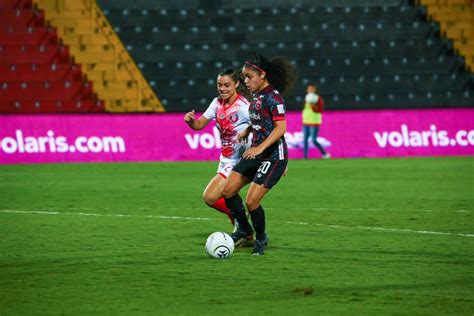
x=235, y=182
x=213, y=196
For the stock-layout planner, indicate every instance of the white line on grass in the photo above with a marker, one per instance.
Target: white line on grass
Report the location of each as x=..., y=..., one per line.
x=106, y=215
x=385, y=229
x=210, y=219
x=375, y=209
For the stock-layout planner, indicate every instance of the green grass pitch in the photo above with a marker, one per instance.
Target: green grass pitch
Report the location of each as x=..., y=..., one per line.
x=347, y=237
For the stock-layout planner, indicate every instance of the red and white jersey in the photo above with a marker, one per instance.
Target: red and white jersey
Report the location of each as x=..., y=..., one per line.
x=230, y=121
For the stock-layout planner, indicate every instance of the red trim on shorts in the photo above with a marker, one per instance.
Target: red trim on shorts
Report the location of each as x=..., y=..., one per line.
x=278, y=118
x=222, y=175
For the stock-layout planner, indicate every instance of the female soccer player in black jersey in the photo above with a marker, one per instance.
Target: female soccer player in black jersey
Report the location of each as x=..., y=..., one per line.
x=265, y=162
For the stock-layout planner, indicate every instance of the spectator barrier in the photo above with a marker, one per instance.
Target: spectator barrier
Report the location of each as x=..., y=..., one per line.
x=57, y=138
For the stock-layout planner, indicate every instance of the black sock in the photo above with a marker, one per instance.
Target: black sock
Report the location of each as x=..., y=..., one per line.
x=258, y=221
x=236, y=207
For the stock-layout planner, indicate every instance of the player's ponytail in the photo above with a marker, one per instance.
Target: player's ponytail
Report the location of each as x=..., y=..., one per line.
x=279, y=71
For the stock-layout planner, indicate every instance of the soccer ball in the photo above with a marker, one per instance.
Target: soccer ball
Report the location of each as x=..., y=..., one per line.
x=311, y=98
x=219, y=245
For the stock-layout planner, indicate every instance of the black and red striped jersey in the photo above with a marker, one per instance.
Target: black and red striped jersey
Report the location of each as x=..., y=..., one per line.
x=267, y=107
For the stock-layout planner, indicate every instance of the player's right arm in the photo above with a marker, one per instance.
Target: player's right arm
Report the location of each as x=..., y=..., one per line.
x=198, y=124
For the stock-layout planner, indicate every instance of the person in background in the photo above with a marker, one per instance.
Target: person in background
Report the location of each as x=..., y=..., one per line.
x=312, y=120
x=230, y=110
x=265, y=162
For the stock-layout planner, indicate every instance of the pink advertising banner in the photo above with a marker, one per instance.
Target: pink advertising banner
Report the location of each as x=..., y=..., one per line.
x=165, y=137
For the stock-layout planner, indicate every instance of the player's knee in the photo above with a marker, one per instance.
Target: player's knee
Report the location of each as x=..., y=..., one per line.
x=252, y=204
x=228, y=192
x=209, y=200
x=210, y=197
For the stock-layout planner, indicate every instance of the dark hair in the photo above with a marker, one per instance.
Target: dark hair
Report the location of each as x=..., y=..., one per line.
x=236, y=76
x=312, y=84
x=279, y=71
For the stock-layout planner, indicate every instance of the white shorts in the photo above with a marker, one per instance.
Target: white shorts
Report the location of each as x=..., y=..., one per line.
x=226, y=164
x=225, y=167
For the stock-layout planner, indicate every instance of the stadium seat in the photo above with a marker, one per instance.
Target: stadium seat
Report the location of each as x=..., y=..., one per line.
x=37, y=73
x=455, y=22
x=90, y=41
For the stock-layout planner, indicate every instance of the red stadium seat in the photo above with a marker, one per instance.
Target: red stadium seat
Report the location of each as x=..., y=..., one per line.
x=37, y=73
x=56, y=106
x=33, y=36
x=13, y=4
x=46, y=90
x=40, y=72
x=9, y=18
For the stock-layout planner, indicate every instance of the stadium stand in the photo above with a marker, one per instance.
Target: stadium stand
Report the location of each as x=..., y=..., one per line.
x=37, y=74
x=362, y=54
x=456, y=22
x=117, y=80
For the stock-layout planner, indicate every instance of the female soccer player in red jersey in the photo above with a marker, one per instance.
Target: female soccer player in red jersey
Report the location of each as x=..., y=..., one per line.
x=230, y=110
x=265, y=162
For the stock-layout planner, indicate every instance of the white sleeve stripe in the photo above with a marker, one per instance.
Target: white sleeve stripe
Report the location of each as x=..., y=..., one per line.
x=281, y=150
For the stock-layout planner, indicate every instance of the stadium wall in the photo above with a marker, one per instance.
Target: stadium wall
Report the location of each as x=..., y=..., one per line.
x=57, y=138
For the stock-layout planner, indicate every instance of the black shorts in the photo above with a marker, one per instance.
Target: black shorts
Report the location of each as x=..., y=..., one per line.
x=266, y=172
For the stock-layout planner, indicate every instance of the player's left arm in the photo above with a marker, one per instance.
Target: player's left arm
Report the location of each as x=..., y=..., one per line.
x=275, y=135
